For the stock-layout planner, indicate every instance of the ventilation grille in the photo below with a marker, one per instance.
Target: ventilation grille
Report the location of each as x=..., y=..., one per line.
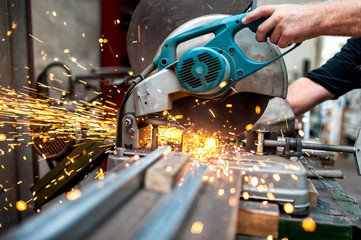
x=187, y=77
x=213, y=64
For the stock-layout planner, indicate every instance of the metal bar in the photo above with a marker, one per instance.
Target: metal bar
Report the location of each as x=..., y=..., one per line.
x=325, y=147
x=74, y=219
x=326, y=173
x=167, y=219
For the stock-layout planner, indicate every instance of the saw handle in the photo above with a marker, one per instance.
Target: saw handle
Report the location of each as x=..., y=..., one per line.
x=224, y=30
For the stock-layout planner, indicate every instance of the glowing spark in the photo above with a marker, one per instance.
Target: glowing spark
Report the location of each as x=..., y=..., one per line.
x=37, y=39
x=212, y=113
x=21, y=205
x=197, y=228
x=258, y=109
x=309, y=224
x=223, y=84
x=229, y=105
x=301, y=133
x=2, y=137
x=232, y=190
x=254, y=181
x=288, y=207
x=295, y=177
x=136, y=157
x=260, y=188
x=276, y=177
x=9, y=33
x=221, y=192
x=305, y=120
x=73, y=195
x=270, y=196
x=269, y=237
x=14, y=25
x=54, y=13
x=245, y=196
x=169, y=168
x=100, y=174
x=249, y=127
x=294, y=167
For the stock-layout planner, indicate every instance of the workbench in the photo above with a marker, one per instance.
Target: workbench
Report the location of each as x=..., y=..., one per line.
x=335, y=216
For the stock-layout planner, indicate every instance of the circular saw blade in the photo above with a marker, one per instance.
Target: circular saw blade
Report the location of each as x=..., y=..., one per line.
x=154, y=20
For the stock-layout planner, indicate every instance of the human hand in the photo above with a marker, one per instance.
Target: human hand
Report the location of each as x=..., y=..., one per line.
x=289, y=23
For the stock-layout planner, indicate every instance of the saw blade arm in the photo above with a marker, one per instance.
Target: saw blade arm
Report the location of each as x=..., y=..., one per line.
x=224, y=30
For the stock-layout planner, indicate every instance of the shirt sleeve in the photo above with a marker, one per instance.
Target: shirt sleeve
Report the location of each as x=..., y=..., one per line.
x=342, y=72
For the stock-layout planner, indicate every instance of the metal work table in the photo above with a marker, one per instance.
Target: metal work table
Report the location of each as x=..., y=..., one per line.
x=335, y=216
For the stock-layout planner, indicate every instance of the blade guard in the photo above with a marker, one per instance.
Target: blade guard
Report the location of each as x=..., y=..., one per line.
x=224, y=30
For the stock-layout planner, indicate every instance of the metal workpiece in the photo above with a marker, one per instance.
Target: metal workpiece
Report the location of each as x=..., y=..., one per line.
x=121, y=156
x=259, y=140
x=166, y=219
x=261, y=175
x=297, y=146
x=75, y=219
x=316, y=146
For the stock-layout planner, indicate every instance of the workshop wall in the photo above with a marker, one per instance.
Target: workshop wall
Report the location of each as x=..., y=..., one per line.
x=67, y=29
x=16, y=172
x=67, y=32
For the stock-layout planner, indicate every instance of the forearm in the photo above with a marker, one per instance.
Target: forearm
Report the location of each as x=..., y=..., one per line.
x=304, y=94
x=341, y=18
x=294, y=23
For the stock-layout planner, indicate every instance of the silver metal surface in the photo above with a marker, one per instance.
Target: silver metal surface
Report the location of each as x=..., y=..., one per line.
x=154, y=20
x=285, y=179
x=74, y=219
x=166, y=220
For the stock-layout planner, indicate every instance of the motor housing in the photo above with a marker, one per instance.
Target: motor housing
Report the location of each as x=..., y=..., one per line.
x=204, y=72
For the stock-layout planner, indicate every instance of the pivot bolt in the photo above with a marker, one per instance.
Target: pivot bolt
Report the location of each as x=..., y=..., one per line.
x=239, y=73
x=128, y=122
x=231, y=50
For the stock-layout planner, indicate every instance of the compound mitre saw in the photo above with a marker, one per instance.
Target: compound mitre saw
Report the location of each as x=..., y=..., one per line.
x=212, y=73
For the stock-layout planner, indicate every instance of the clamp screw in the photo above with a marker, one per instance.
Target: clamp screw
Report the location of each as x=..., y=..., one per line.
x=131, y=131
x=239, y=73
x=231, y=50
